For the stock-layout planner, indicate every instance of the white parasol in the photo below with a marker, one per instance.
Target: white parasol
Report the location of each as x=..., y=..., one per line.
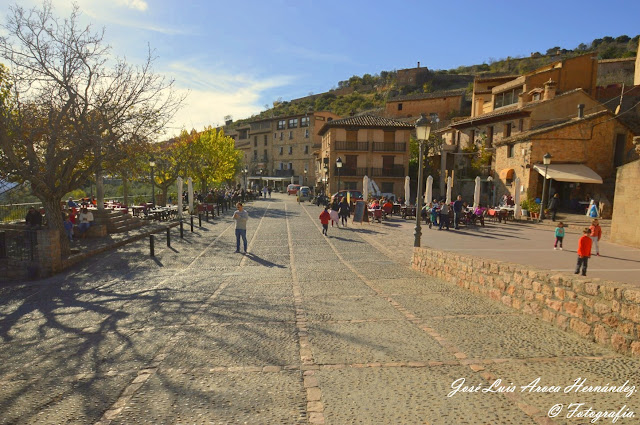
x=407, y=190
x=180, y=182
x=476, y=194
x=428, y=190
x=376, y=189
x=448, y=200
x=190, y=194
x=517, y=211
x=365, y=188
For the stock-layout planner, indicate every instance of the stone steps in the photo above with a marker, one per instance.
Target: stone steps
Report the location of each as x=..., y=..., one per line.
x=118, y=222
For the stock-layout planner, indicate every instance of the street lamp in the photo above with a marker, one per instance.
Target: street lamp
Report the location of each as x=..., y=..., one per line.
x=245, y=171
x=492, y=197
x=546, y=160
x=326, y=178
x=423, y=131
x=305, y=176
x=152, y=163
x=339, y=165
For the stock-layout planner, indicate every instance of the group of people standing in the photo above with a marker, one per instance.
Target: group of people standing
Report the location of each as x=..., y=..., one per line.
x=337, y=212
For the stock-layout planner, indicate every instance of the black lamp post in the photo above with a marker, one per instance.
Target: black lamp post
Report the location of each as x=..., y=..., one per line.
x=546, y=160
x=305, y=176
x=423, y=131
x=152, y=164
x=245, y=171
x=339, y=165
x=326, y=179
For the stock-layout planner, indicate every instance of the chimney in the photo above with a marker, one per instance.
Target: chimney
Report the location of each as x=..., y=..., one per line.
x=580, y=110
x=418, y=64
x=549, y=90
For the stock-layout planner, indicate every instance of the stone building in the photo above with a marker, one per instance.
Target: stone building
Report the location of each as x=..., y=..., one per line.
x=438, y=105
x=278, y=151
x=625, y=223
x=369, y=145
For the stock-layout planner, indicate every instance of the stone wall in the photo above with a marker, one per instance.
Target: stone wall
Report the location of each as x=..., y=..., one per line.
x=625, y=223
x=605, y=312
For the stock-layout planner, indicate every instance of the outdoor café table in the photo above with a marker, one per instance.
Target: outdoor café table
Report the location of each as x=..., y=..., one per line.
x=375, y=213
x=396, y=208
x=137, y=209
x=159, y=213
x=409, y=211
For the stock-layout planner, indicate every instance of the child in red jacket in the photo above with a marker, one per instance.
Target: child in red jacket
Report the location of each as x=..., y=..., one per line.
x=324, y=219
x=584, y=251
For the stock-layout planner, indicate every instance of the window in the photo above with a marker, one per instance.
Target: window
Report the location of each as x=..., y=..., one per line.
x=399, y=106
x=265, y=155
x=281, y=166
x=281, y=150
x=535, y=97
x=352, y=135
x=255, y=141
x=265, y=139
x=275, y=136
x=306, y=133
x=510, y=151
x=507, y=98
x=290, y=150
x=386, y=187
x=281, y=133
x=255, y=154
x=507, y=130
x=306, y=149
x=293, y=123
x=620, y=150
x=521, y=125
x=304, y=122
x=291, y=165
x=290, y=135
x=281, y=124
x=472, y=137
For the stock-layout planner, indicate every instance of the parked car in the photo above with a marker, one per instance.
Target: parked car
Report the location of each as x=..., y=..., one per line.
x=292, y=189
x=355, y=194
x=304, y=194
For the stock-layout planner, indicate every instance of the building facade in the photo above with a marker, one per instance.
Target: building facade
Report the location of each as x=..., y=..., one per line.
x=374, y=146
x=439, y=105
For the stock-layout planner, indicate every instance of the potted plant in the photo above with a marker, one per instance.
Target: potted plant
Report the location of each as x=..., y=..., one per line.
x=534, y=208
x=525, y=207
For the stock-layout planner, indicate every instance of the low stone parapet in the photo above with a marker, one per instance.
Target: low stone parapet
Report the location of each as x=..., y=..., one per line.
x=603, y=311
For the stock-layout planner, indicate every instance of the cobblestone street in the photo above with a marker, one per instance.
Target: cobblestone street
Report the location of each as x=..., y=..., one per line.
x=303, y=329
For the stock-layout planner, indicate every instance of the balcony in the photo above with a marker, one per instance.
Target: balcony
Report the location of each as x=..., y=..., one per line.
x=393, y=171
x=389, y=147
x=284, y=173
x=352, y=146
x=351, y=171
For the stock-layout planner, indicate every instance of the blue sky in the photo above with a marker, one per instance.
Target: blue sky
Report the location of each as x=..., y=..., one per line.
x=233, y=57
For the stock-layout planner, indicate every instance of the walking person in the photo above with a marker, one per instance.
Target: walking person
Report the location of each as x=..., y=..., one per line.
x=343, y=211
x=264, y=192
x=434, y=214
x=457, y=212
x=269, y=190
x=584, y=251
x=324, y=220
x=241, y=217
x=559, y=236
x=595, y=234
x=553, y=206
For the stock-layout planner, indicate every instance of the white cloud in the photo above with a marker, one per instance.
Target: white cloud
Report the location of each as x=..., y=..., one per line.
x=212, y=95
x=140, y=5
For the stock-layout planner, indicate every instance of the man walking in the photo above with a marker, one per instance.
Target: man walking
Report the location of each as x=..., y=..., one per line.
x=241, y=217
x=553, y=206
x=457, y=212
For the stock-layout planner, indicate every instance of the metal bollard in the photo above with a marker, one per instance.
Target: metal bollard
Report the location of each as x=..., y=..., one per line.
x=181, y=230
x=199, y=220
x=152, y=246
x=168, y=236
x=191, y=223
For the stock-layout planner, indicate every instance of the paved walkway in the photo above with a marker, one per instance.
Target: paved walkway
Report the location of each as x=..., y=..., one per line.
x=303, y=329
x=520, y=243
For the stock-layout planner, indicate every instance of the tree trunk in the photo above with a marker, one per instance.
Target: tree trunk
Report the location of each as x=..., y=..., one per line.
x=53, y=212
x=165, y=191
x=125, y=190
x=99, y=190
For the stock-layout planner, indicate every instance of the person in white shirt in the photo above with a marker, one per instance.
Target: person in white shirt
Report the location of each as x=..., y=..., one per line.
x=85, y=220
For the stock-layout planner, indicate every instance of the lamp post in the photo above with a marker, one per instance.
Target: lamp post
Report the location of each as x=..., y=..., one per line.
x=546, y=160
x=492, y=197
x=339, y=165
x=326, y=178
x=423, y=131
x=152, y=164
x=305, y=176
x=245, y=171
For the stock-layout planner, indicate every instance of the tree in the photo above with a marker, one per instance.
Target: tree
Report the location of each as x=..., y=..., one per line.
x=172, y=158
x=213, y=157
x=70, y=112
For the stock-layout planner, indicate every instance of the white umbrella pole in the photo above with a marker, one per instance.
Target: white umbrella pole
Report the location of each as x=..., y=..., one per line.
x=190, y=194
x=180, y=183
